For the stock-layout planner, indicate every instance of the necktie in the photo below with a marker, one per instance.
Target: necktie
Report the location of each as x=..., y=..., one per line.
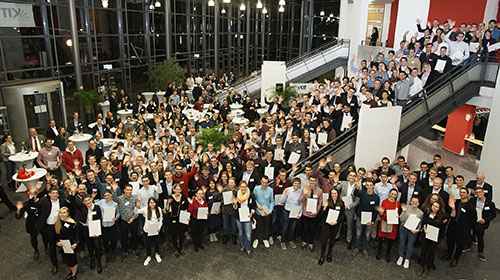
x=36, y=143
x=427, y=57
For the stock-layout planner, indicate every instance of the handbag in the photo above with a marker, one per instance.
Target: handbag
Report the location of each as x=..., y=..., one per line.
x=385, y=227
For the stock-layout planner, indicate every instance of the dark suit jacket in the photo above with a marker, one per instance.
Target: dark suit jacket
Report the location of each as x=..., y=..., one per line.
x=488, y=189
x=426, y=175
x=71, y=126
x=104, y=130
x=97, y=153
x=45, y=206
x=489, y=212
x=418, y=192
x=432, y=59
x=50, y=133
x=29, y=145
x=253, y=181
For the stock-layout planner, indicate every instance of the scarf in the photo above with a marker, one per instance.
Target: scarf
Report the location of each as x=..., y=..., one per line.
x=242, y=197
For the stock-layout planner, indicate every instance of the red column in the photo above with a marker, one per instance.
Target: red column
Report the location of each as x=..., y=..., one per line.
x=458, y=127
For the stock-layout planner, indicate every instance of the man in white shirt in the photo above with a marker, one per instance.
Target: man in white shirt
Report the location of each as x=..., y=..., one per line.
x=459, y=50
x=52, y=130
x=417, y=83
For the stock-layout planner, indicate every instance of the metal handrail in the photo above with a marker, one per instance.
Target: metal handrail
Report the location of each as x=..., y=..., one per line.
x=435, y=86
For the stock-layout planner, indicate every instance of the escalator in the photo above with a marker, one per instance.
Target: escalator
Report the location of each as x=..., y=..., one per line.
x=302, y=68
x=448, y=93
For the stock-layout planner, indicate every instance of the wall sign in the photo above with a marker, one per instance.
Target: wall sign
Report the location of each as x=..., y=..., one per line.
x=16, y=15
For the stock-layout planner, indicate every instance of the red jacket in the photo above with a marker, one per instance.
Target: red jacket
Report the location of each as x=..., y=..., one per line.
x=68, y=160
x=184, y=180
x=193, y=207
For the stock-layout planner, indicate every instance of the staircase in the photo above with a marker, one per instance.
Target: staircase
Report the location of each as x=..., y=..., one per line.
x=302, y=68
x=448, y=93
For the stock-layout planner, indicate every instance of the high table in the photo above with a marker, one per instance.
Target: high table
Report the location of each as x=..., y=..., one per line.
x=240, y=120
x=123, y=114
x=159, y=95
x=24, y=159
x=81, y=143
x=39, y=173
x=235, y=106
x=148, y=96
x=104, y=107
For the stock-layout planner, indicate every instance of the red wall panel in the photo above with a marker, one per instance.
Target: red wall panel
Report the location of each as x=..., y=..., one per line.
x=459, y=10
x=392, y=24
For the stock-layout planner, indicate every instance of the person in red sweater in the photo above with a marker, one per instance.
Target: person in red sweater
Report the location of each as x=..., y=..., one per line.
x=197, y=223
x=183, y=178
x=72, y=157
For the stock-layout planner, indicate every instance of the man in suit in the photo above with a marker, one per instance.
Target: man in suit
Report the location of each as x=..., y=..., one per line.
x=422, y=175
x=437, y=187
x=428, y=183
x=99, y=126
x=438, y=164
x=35, y=142
x=250, y=175
x=479, y=182
x=113, y=103
x=429, y=56
x=346, y=190
x=93, y=151
x=410, y=189
x=488, y=213
x=52, y=132
x=75, y=124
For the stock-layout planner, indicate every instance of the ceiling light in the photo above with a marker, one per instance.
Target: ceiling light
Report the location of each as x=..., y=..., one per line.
x=211, y=3
x=264, y=11
x=151, y=7
x=322, y=13
x=105, y=3
x=223, y=11
x=157, y=4
x=331, y=15
x=282, y=3
x=69, y=43
x=281, y=9
x=226, y=1
x=242, y=7
x=259, y=5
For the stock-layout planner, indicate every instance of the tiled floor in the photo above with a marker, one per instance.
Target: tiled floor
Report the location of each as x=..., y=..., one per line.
x=226, y=262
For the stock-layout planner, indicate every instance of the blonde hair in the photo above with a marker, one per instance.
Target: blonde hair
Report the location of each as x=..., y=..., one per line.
x=58, y=223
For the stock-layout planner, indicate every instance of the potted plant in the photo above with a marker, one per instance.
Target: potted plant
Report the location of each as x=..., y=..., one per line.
x=286, y=95
x=89, y=98
x=215, y=136
x=162, y=74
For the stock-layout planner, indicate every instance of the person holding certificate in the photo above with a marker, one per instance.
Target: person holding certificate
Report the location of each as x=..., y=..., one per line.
x=228, y=211
x=331, y=218
x=110, y=214
x=67, y=232
x=264, y=198
x=213, y=195
x=387, y=229
x=244, y=206
x=486, y=211
x=368, y=203
x=411, y=218
x=292, y=213
x=154, y=219
x=177, y=202
x=433, y=218
x=197, y=223
x=312, y=200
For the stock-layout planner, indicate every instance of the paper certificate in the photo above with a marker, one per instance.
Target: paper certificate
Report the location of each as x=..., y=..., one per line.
x=215, y=207
x=479, y=212
x=52, y=164
x=202, y=213
x=94, y=228
x=458, y=54
x=67, y=246
x=184, y=217
x=366, y=217
x=474, y=47
x=294, y=212
x=494, y=47
x=312, y=203
x=432, y=233
x=392, y=217
x=322, y=138
x=440, y=64
x=152, y=228
x=109, y=214
x=277, y=199
x=412, y=222
x=294, y=158
x=325, y=196
x=244, y=213
x=135, y=187
x=269, y=172
x=265, y=210
x=277, y=154
x=228, y=197
x=333, y=216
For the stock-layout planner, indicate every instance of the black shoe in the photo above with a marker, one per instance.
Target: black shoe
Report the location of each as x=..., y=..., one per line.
x=201, y=246
x=54, y=270
x=182, y=253
x=137, y=253
x=224, y=239
x=433, y=267
x=124, y=255
x=108, y=257
x=388, y=258
x=445, y=257
x=92, y=263
x=321, y=260
x=454, y=263
x=234, y=240
x=329, y=257
x=196, y=249
x=379, y=255
x=99, y=268
x=70, y=275
x=177, y=254
x=349, y=245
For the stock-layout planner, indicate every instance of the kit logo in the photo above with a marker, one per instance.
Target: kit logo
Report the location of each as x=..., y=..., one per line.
x=14, y=13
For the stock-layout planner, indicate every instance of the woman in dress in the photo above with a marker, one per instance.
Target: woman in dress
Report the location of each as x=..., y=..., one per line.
x=387, y=232
x=330, y=229
x=177, y=202
x=67, y=229
x=213, y=195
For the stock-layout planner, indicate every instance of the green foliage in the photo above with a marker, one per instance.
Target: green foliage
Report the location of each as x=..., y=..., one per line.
x=89, y=98
x=214, y=136
x=165, y=73
x=288, y=94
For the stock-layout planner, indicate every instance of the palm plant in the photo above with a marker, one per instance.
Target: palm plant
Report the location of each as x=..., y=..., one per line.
x=286, y=95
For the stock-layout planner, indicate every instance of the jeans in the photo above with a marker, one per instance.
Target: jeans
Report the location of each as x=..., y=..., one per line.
x=244, y=233
x=288, y=227
x=362, y=231
x=262, y=230
x=228, y=220
x=277, y=220
x=10, y=168
x=406, y=237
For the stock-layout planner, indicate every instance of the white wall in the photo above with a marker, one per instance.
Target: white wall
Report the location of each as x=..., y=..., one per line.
x=491, y=152
x=357, y=20
x=343, y=18
x=408, y=13
x=378, y=134
x=387, y=21
x=273, y=72
x=490, y=11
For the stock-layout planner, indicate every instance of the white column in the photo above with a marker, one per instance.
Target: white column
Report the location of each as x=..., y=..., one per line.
x=357, y=15
x=490, y=11
x=387, y=21
x=408, y=13
x=491, y=152
x=343, y=19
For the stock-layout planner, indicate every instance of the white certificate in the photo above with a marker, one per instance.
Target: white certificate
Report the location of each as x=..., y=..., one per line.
x=440, y=64
x=432, y=233
x=269, y=172
x=165, y=202
x=392, y=217
x=294, y=158
x=347, y=200
x=135, y=187
x=412, y=222
x=152, y=228
x=346, y=120
x=52, y=164
x=94, y=228
x=215, y=207
x=312, y=204
x=244, y=213
x=265, y=210
x=277, y=153
x=277, y=199
x=322, y=138
x=366, y=217
x=473, y=47
x=494, y=47
x=202, y=213
x=109, y=214
x=184, y=217
x=67, y=246
x=457, y=54
x=325, y=196
x=333, y=216
x=479, y=212
x=228, y=197
x=294, y=212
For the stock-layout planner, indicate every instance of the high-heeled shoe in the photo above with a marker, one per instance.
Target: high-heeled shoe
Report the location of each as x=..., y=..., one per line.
x=379, y=255
x=92, y=263
x=321, y=260
x=329, y=257
x=99, y=268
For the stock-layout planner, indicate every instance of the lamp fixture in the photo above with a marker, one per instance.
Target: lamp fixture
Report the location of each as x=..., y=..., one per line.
x=259, y=5
x=281, y=9
x=157, y=4
x=322, y=13
x=104, y=3
x=282, y=3
x=264, y=11
x=223, y=11
x=243, y=7
x=211, y=3
x=226, y=1
x=331, y=15
x=69, y=43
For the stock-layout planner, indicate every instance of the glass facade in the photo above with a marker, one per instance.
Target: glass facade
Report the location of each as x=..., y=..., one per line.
x=117, y=43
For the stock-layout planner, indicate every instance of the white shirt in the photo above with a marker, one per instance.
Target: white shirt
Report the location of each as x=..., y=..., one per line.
x=246, y=176
x=54, y=129
x=35, y=144
x=350, y=188
x=416, y=87
x=145, y=193
x=54, y=212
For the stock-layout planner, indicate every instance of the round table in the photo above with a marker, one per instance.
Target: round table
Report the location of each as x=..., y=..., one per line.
x=104, y=107
x=107, y=142
x=262, y=111
x=123, y=114
x=81, y=142
x=39, y=173
x=149, y=116
x=240, y=120
x=237, y=113
x=192, y=115
x=24, y=159
x=235, y=106
x=148, y=96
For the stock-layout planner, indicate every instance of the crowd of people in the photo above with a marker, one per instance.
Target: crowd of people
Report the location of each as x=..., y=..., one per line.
x=158, y=185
